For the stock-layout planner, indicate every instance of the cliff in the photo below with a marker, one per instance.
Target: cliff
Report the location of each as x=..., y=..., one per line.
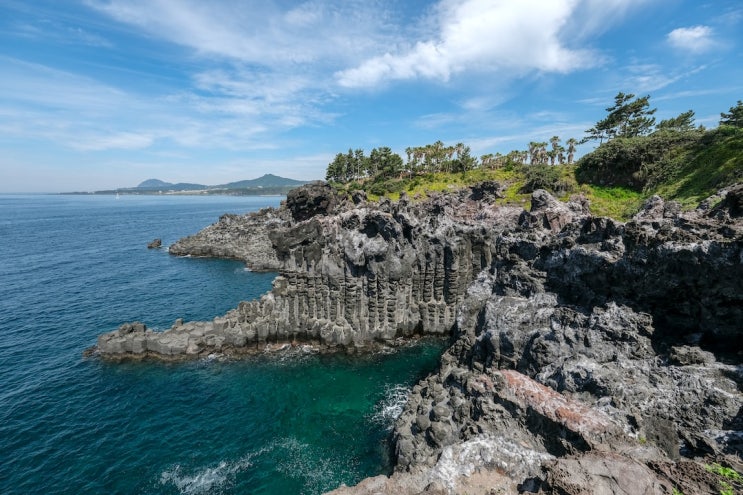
x=588, y=354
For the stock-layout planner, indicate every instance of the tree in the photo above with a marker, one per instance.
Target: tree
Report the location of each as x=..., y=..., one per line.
x=571, y=149
x=383, y=163
x=464, y=160
x=626, y=118
x=359, y=163
x=682, y=122
x=554, y=154
x=542, y=155
x=488, y=161
x=733, y=118
x=336, y=171
x=533, y=153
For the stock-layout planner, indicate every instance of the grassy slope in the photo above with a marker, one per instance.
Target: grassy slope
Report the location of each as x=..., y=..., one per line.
x=716, y=163
x=693, y=174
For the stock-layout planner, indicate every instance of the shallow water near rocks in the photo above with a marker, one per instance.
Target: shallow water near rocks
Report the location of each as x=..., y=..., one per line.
x=72, y=267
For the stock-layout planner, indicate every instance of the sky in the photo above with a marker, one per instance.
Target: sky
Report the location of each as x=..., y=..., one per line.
x=100, y=94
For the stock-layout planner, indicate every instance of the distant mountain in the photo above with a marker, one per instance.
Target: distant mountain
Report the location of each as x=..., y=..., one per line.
x=267, y=184
x=153, y=183
x=158, y=185
x=268, y=180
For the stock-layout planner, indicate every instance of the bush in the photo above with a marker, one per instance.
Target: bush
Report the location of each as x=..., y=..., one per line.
x=380, y=188
x=636, y=161
x=545, y=177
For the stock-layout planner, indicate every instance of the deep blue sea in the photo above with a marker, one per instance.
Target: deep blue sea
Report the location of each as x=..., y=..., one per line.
x=72, y=267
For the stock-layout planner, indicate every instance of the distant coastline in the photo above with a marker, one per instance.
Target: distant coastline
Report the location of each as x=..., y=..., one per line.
x=202, y=192
x=266, y=185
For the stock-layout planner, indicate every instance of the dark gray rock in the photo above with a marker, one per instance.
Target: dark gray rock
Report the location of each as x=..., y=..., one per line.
x=241, y=237
x=571, y=333
x=315, y=198
x=155, y=244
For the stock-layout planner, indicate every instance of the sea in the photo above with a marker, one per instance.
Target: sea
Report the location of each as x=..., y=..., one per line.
x=74, y=266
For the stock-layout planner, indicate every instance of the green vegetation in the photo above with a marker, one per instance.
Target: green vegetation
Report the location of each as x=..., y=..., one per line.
x=730, y=478
x=627, y=118
x=634, y=160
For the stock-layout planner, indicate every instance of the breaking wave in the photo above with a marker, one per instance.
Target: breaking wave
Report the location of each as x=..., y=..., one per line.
x=390, y=407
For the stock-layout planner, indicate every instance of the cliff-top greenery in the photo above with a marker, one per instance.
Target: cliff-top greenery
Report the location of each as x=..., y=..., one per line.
x=635, y=158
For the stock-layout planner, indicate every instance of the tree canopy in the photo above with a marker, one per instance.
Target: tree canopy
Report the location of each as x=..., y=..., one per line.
x=626, y=118
x=734, y=117
x=682, y=122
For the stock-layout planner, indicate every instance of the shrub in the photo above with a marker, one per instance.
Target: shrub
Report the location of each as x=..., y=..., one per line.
x=545, y=177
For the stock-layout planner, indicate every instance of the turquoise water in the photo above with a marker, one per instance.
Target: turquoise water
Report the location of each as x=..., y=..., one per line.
x=74, y=266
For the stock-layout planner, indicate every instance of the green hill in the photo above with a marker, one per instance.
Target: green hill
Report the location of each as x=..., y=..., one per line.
x=267, y=180
x=684, y=166
x=266, y=184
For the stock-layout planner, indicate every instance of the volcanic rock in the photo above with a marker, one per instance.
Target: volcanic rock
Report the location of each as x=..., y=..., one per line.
x=587, y=353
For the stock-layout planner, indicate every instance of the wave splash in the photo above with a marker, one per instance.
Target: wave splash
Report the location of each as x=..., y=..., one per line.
x=313, y=469
x=390, y=407
x=210, y=479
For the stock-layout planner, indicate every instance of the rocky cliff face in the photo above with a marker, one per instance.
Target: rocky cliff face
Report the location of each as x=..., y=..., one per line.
x=578, y=367
x=352, y=275
x=241, y=237
x=588, y=354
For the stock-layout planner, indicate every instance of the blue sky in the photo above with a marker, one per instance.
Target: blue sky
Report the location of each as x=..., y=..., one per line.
x=98, y=94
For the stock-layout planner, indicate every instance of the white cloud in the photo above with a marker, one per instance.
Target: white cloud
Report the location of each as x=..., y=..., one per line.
x=695, y=39
x=258, y=31
x=645, y=77
x=73, y=111
x=501, y=36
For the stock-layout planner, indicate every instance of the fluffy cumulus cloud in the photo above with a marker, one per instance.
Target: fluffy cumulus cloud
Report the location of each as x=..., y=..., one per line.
x=490, y=35
x=695, y=39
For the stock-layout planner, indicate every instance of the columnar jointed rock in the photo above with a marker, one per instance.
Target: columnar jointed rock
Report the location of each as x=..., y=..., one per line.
x=367, y=274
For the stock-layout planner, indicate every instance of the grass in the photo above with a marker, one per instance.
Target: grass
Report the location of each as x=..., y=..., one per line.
x=715, y=163
x=615, y=202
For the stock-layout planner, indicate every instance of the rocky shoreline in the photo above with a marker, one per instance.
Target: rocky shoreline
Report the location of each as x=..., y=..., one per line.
x=589, y=355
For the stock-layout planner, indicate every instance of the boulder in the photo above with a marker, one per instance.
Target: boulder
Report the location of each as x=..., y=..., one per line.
x=309, y=200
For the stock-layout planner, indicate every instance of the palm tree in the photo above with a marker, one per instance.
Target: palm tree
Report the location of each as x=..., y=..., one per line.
x=533, y=152
x=552, y=155
x=560, y=155
x=542, y=153
x=571, y=149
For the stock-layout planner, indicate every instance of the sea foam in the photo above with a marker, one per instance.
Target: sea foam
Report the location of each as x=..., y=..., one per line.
x=390, y=407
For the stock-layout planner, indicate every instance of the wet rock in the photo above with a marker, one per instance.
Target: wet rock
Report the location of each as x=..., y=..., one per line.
x=155, y=244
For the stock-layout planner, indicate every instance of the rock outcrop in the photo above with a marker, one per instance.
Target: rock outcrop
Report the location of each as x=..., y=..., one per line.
x=366, y=275
x=240, y=237
x=588, y=355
